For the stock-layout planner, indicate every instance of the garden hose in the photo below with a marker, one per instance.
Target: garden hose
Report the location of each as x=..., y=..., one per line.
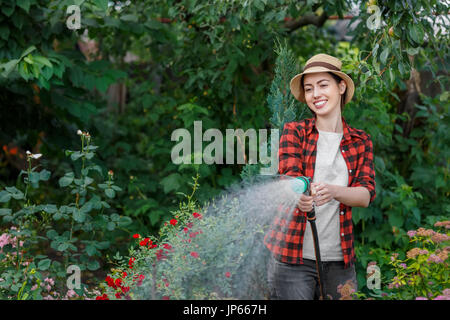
x=303, y=185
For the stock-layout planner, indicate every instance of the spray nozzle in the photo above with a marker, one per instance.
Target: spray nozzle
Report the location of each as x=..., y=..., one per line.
x=301, y=185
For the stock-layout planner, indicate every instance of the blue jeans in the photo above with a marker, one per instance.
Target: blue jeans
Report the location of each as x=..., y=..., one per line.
x=299, y=282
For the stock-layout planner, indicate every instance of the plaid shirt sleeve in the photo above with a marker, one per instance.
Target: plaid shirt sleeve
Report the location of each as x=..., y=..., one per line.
x=289, y=152
x=365, y=175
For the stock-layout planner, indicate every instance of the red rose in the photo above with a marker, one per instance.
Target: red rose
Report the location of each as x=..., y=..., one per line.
x=130, y=263
x=173, y=222
x=185, y=230
x=165, y=298
x=102, y=297
x=118, y=282
x=141, y=277
x=124, y=274
x=145, y=242
x=167, y=246
x=194, y=254
x=110, y=282
x=118, y=295
x=125, y=289
x=227, y=274
x=136, y=235
x=197, y=215
x=160, y=255
x=189, y=224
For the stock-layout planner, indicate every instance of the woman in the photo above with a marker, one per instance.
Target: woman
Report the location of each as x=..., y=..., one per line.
x=340, y=160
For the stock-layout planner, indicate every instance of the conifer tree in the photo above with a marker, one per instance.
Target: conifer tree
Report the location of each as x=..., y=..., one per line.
x=281, y=102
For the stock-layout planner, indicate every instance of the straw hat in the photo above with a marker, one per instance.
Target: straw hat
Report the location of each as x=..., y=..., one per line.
x=321, y=63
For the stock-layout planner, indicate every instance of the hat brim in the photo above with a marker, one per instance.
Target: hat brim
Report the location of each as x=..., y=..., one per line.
x=299, y=94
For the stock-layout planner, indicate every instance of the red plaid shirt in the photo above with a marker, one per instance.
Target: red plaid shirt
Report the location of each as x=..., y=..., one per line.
x=297, y=157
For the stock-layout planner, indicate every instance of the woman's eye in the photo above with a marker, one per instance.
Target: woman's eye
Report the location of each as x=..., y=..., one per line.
x=323, y=86
x=307, y=90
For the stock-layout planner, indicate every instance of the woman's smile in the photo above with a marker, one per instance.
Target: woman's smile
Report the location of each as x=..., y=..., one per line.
x=319, y=104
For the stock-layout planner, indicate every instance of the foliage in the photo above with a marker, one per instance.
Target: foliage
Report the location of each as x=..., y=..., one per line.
x=51, y=237
x=212, y=62
x=420, y=271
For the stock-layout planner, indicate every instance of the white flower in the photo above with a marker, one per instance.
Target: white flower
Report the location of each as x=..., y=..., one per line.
x=79, y=132
x=34, y=156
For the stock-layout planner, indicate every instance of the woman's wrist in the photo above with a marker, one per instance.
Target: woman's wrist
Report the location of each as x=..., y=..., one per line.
x=351, y=196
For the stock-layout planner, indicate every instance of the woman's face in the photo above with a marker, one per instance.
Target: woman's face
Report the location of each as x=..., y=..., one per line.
x=323, y=93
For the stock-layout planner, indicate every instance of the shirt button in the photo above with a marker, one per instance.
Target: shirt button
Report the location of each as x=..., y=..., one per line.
x=350, y=170
x=342, y=213
x=342, y=234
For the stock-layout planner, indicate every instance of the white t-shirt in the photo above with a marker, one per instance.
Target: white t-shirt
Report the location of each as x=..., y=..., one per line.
x=330, y=168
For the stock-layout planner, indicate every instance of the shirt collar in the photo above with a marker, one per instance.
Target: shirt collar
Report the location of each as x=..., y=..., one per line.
x=348, y=131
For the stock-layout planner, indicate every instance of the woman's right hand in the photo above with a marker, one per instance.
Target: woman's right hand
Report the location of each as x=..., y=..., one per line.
x=305, y=203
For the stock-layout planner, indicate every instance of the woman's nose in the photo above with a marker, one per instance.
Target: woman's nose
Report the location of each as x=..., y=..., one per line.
x=316, y=92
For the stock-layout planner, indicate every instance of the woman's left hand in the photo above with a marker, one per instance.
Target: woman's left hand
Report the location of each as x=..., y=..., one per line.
x=323, y=192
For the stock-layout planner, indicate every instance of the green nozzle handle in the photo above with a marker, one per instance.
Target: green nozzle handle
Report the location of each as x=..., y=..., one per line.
x=300, y=185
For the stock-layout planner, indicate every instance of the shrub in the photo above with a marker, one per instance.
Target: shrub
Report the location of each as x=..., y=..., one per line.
x=44, y=239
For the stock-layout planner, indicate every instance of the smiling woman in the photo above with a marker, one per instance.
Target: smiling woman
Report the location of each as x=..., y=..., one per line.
x=339, y=159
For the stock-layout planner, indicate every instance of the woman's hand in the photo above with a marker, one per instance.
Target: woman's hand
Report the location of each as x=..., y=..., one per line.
x=305, y=203
x=322, y=192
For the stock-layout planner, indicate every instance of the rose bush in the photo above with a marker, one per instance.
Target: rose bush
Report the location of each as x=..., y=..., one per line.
x=198, y=255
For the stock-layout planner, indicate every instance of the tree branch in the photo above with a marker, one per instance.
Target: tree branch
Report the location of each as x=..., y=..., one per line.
x=313, y=19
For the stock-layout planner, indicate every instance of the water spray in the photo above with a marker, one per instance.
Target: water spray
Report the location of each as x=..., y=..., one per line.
x=303, y=185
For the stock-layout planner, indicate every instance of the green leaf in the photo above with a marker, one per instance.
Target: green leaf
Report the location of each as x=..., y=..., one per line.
x=50, y=208
x=42, y=60
x=154, y=216
x=7, y=9
x=111, y=226
x=171, y=182
x=124, y=221
x=129, y=18
x=5, y=211
x=27, y=52
x=110, y=193
x=34, y=177
x=15, y=193
x=66, y=179
x=102, y=245
x=52, y=234
x=90, y=155
x=76, y=155
x=44, y=175
x=44, y=264
x=102, y=4
x=116, y=188
x=9, y=66
x=24, y=4
x=4, y=196
x=93, y=265
x=395, y=219
x=412, y=51
x=384, y=55
x=63, y=246
x=79, y=215
x=91, y=250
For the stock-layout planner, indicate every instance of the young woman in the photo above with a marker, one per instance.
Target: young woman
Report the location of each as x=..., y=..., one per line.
x=339, y=158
